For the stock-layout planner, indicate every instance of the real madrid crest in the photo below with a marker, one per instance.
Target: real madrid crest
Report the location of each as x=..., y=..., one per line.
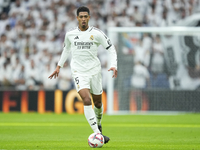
x=91, y=37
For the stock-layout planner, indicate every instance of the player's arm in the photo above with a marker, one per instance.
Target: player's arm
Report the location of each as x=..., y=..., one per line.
x=113, y=59
x=63, y=58
x=55, y=73
x=106, y=43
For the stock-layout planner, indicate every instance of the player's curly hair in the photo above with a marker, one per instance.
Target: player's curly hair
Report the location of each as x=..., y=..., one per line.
x=82, y=9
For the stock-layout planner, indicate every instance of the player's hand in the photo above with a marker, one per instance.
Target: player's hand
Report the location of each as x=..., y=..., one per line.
x=114, y=72
x=55, y=73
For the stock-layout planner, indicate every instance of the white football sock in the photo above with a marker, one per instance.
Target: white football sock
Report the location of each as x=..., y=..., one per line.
x=91, y=118
x=99, y=113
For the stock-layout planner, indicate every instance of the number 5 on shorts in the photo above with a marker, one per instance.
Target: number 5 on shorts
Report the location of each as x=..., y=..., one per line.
x=77, y=80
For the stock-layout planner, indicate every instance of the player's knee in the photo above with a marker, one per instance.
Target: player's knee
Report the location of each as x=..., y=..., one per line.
x=87, y=101
x=98, y=104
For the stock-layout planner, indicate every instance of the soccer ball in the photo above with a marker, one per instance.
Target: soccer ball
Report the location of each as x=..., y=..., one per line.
x=95, y=140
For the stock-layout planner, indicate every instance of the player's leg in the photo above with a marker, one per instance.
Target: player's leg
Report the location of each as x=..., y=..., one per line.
x=88, y=111
x=98, y=109
x=96, y=91
x=82, y=85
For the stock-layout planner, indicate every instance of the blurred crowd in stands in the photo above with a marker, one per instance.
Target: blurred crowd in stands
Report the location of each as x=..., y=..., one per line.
x=32, y=34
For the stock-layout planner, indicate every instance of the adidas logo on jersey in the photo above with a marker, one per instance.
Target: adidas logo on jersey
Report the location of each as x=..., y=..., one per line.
x=76, y=38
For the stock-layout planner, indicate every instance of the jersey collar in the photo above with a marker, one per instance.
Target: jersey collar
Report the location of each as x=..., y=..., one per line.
x=88, y=29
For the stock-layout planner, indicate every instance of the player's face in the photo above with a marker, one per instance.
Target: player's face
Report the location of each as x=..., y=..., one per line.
x=83, y=19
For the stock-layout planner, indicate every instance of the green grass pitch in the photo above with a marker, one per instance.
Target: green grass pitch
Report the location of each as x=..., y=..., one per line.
x=127, y=132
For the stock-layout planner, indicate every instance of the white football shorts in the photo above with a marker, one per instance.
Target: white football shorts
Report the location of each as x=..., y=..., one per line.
x=93, y=82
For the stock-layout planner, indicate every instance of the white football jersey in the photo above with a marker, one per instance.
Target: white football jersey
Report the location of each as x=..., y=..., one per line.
x=83, y=46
